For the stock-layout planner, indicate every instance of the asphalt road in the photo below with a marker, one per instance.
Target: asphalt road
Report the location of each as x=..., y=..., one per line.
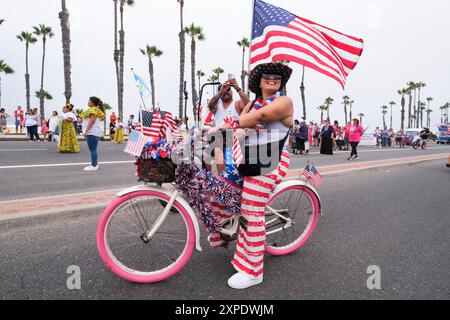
x=37, y=169
x=396, y=218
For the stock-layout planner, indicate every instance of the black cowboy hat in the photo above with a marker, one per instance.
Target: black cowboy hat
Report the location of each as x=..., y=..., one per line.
x=272, y=69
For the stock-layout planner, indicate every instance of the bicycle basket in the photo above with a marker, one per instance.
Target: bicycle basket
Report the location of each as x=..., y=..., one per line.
x=156, y=171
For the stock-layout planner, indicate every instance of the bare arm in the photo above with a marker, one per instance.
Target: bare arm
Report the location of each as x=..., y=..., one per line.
x=281, y=109
x=212, y=106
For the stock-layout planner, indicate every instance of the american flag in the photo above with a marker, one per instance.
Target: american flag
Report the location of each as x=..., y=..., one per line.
x=136, y=143
x=156, y=125
x=280, y=35
x=237, y=150
x=313, y=175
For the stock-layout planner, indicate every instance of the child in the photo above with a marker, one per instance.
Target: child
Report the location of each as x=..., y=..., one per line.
x=44, y=130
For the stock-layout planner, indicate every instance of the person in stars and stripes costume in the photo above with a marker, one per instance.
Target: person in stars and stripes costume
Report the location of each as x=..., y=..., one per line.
x=272, y=117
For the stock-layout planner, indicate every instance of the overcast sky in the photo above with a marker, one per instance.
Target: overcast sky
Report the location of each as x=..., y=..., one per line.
x=405, y=40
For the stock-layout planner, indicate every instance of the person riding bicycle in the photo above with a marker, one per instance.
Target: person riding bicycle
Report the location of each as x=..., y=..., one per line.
x=267, y=121
x=425, y=136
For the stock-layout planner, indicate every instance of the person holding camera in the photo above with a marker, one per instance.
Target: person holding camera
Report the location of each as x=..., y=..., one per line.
x=224, y=106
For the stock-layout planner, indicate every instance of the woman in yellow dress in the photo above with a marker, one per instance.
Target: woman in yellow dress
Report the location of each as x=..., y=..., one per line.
x=118, y=136
x=68, y=142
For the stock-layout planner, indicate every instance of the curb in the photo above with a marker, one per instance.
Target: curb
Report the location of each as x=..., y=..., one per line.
x=77, y=209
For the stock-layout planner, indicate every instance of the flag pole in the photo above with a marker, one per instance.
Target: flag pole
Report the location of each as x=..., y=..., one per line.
x=252, y=29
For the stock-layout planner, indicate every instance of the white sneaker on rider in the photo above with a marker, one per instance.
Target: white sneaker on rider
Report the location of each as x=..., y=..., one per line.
x=242, y=281
x=91, y=168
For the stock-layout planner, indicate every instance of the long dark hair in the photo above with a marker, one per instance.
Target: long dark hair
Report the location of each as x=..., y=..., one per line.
x=97, y=102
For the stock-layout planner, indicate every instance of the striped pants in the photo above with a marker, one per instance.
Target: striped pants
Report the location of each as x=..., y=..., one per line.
x=250, y=249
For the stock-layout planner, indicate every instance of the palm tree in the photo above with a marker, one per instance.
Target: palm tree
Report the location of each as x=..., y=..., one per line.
x=65, y=29
x=44, y=32
x=302, y=92
x=150, y=52
x=244, y=44
x=384, y=111
x=361, y=116
x=28, y=38
x=420, y=86
x=322, y=109
x=442, y=108
x=116, y=50
x=122, y=5
x=328, y=102
x=106, y=107
x=422, y=108
x=429, y=100
x=218, y=71
x=200, y=75
x=410, y=89
x=43, y=95
x=182, y=58
x=403, y=92
x=6, y=69
x=429, y=112
x=413, y=88
x=346, y=102
x=1, y=21
x=351, y=103
x=196, y=33
x=392, y=104
x=213, y=78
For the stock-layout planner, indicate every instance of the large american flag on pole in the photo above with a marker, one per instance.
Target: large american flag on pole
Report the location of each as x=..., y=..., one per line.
x=280, y=35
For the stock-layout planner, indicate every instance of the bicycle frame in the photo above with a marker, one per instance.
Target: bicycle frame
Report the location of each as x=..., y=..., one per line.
x=233, y=229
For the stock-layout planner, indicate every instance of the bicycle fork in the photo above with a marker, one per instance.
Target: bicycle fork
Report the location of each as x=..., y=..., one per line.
x=147, y=237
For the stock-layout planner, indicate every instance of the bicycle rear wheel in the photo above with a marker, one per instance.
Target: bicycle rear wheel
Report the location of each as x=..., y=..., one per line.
x=122, y=242
x=298, y=203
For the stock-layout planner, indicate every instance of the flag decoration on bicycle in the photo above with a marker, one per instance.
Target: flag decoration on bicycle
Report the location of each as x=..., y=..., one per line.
x=280, y=35
x=156, y=124
x=136, y=143
x=141, y=85
x=237, y=150
x=313, y=175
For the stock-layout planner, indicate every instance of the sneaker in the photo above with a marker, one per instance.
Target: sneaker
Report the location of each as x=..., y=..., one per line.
x=350, y=159
x=91, y=168
x=356, y=158
x=242, y=281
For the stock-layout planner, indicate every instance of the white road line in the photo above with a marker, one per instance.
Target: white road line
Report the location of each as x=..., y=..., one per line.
x=5, y=150
x=62, y=165
x=382, y=150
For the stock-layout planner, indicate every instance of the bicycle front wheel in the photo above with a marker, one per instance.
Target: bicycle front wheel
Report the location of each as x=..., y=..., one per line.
x=126, y=249
x=299, y=208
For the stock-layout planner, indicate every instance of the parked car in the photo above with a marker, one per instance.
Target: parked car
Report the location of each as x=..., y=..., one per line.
x=443, y=140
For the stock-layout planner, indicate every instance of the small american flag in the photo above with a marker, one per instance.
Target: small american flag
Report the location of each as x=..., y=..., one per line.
x=313, y=175
x=237, y=150
x=136, y=143
x=280, y=35
x=156, y=124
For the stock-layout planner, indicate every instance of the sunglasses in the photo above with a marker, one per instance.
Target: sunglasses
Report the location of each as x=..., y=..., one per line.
x=272, y=77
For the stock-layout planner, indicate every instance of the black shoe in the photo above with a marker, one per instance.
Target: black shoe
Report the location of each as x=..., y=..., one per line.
x=356, y=158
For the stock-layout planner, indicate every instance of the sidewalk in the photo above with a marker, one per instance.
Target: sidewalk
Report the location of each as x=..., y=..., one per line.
x=100, y=199
x=24, y=138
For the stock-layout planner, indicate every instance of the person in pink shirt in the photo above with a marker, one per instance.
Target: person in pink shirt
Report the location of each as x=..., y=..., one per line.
x=355, y=135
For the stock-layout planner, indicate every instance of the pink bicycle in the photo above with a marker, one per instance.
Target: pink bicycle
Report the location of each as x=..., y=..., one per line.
x=148, y=233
